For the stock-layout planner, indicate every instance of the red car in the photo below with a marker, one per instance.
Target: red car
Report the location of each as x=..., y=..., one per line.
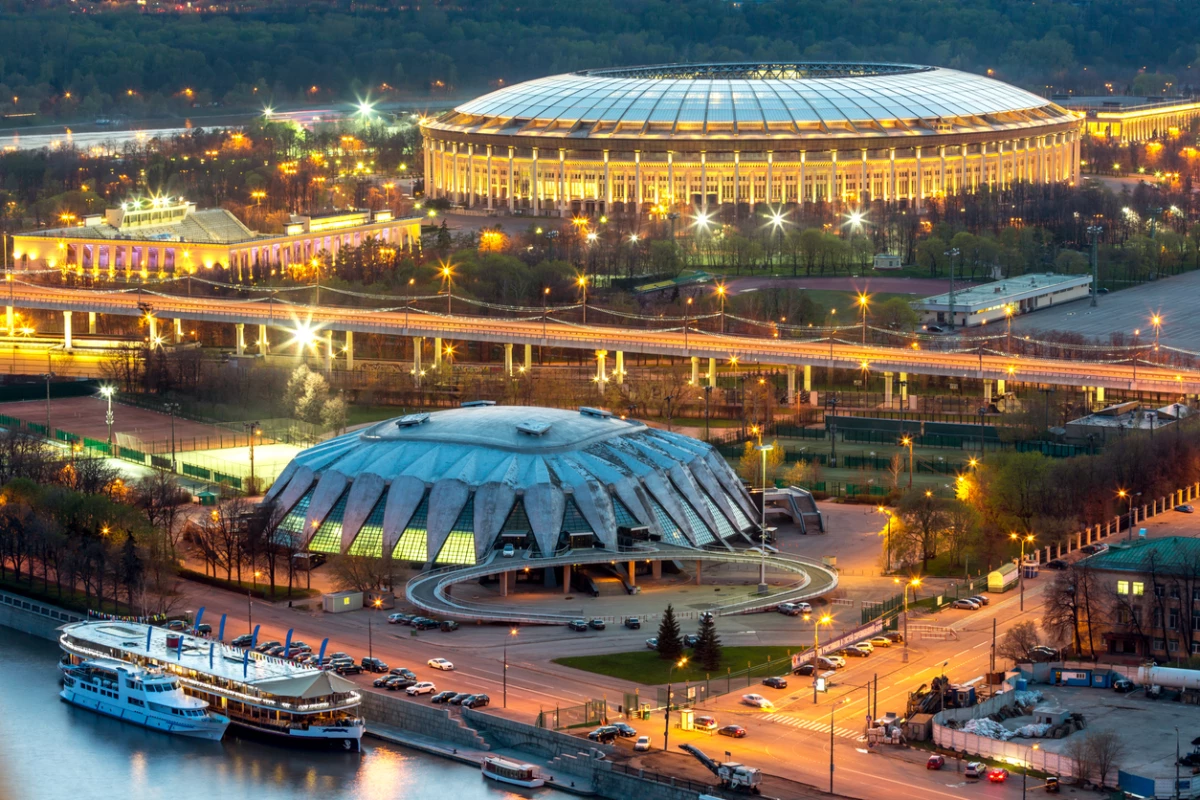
x=935, y=762
x=997, y=774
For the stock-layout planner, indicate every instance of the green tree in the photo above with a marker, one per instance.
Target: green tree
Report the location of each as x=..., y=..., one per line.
x=896, y=314
x=670, y=642
x=708, y=648
x=924, y=517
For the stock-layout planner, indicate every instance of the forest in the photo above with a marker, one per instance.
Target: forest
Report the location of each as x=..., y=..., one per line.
x=78, y=60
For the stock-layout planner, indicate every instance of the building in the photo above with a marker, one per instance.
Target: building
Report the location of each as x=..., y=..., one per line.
x=455, y=487
x=988, y=302
x=888, y=261
x=168, y=236
x=1134, y=119
x=1150, y=596
x=625, y=140
x=1118, y=420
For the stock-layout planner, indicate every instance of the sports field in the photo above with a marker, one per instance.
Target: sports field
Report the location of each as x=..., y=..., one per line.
x=84, y=416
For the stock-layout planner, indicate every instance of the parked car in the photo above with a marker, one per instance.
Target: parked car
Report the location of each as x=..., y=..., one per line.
x=1186, y=509
x=605, y=734
x=276, y=651
x=397, y=618
x=374, y=665
x=578, y=625
x=895, y=636
x=804, y=608
x=1123, y=686
x=935, y=761
x=263, y=647
x=176, y=625
x=509, y=551
x=204, y=629
x=381, y=681
x=736, y=731
x=423, y=687
x=458, y=699
x=439, y=663
x=975, y=769
x=1056, y=563
x=596, y=624
x=804, y=670
x=865, y=647
x=833, y=660
x=704, y=723
x=403, y=671
x=997, y=775
x=476, y=701
x=691, y=640
x=1094, y=549
x=242, y=641
x=789, y=609
x=982, y=599
x=652, y=643
x=348, y=669
x=880, y=641
x=775, y=682
x=965, y=604
x=442, y=697
x=757, y=700
x=853, y=652
x=633, y=623
x=706, y=616
x=625, y=731
x=642, y=744
x=397, y=682
x=1052, y=786
x=426, y=624
x=449, y=625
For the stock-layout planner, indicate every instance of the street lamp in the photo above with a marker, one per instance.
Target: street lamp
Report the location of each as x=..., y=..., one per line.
x=1128, y=498
x=1021, y=566
x=824, y=619
x=253, y=430
x=107, y=393
x=687, y=322
x=447, y=273
x=907, y=441
x=721, y=294
x=582, y=281
x=862, y=304
x=1025, y=769
x=762, y=520
x=888, y=541
x=1156, y=321
x=667, y=716
x=913, y=583
x=172, y=409
x=377, y=604
x=512, y=634
x=1008, y=314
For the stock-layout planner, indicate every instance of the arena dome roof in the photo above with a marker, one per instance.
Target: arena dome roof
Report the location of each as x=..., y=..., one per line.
x=451, y=486
x=755, y=99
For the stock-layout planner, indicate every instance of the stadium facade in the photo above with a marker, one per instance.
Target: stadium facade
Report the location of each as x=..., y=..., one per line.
x=625, y=140
x=454, y=487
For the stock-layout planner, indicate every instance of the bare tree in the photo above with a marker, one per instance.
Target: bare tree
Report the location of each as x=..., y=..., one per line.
x=1072, y=609
x=1020, y=639
x=1106, y=750
x=362, y=573
x=1079, y=750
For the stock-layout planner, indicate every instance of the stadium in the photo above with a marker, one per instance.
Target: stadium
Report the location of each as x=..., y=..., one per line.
x=734, y=136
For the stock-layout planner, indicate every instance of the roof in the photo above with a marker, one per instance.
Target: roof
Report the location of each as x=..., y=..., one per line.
x=1170, y=554
x=308, y=685
x=210, y=226
x=1000, y=293
x=758, y=100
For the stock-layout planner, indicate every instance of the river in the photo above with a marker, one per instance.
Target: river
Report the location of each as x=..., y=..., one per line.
x=53, y=751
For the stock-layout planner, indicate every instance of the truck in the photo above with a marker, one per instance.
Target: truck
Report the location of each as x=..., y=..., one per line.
x=733, y=776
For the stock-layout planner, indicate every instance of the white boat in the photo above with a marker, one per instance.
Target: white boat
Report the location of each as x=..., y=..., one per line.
x=510, y=772
x=143, y=697
x=269, y=697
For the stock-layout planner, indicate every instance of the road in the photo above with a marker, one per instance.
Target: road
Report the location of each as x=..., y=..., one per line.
x=304, y=321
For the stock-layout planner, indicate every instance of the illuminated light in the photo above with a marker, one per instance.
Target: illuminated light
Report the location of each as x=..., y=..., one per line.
x=365, y=108
x=702, y=220
x=304, y=335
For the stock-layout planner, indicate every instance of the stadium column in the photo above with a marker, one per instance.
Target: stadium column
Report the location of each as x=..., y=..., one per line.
x=437, y=352
x=670, y=178
x=712, y=372
x=791, y=384
x=152, y=322
x=834, y=196
x=566, y=579
x=425, y=154
x=510, y=180
x=737, y=180
x=1041, y=160
x=1075, y=137
x=470, y=175
x=942, y=170
x=800, y=179
x=750, y=198
x=601, y=375
x=418, y=343
x=695, y=379
x=632, y=573
x=619, y=372
x=808, y=377
x=240, y=327
x=703, y=182
x=1099, y=394
x=920, y=186
x=66, y=330
x=965, y=182
x=533, y=177
x=562, y=182
x=637, y=179
x=178, y=330
x=1000, y=387
x=528, y=357
x=92, y=322
x=862, y=186
x=454, y=172
x=328, y=350
x=770, y=195
x=891, y=198
x=887, y=389
x=987, y=390
x=489, y=178
x=264, y=343
x=349, y=349
x=607, y=185
x=508, y=367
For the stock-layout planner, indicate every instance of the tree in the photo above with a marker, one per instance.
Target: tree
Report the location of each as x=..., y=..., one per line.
x=1071, y=610
x=1106, y=749
x=924, y=517
x=751, y=463
x=1020, y=639
x=132, y=568
x=333, y=414
x=362, y=573
x=670, y=642
x=896, y=314
x=708, y=648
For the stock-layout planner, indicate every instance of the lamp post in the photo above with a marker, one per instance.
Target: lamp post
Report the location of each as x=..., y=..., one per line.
x=582, y=283
x=721, y=295
x=888, y=540
x=825, y=619
x=448, y=277
x=1156, y=321
x=1094, y=232
x=172, y=409
x=253, y=430
x=107, y=393
x=1025, y=769
x=1021, y=565
x=911, y=583
x=667, y=715
x=1008, y=315
x=687, y=321
x=862, y=304
x=47, y=377
x=377, y=604
x=762, y=520
x=707, y=398
x=545, y=310
x=1128, y=498
x=907, y=441
x=512, y=634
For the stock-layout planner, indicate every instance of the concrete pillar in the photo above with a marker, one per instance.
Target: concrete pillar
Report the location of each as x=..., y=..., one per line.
x=567, y=579
x=350, y=335
x=791, y=384
x=178, y=331
x=528, y=357
x=887, y=388
x=264, y=344
x=619, y=372
x=66, y=330
x=712, y=372
x=416, y=370
x=9, y=318
x=903, y=388
x=987, y=390
x=1089, y=535
x=808, y=377
x=633, y=573
x=152, y=324
x=699, y=564
x=504, y=584
x=328, y=351
x=601, y=375
x=1100, y=395
x=240, y=327
x=437, y=352
x=1000, y=386
x=508, y=367
x=695, y=371
x=92, y=323
x=656, y=569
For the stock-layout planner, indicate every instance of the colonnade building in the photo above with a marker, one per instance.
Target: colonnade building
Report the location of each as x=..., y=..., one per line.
x=169, y=236
x=628, y=140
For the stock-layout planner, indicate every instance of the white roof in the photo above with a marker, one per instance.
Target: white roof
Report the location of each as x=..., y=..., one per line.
x=999, y=293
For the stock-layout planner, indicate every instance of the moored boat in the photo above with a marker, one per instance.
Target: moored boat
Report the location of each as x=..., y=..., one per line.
x=510, y=772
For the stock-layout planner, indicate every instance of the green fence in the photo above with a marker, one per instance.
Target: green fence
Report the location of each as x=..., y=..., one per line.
x=894, y=605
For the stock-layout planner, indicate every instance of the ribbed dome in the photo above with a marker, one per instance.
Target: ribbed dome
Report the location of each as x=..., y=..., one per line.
x=450, y=486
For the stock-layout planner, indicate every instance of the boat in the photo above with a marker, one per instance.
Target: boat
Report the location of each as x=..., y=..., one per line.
x=145, y=697
x=270, y=698
x=510, y=772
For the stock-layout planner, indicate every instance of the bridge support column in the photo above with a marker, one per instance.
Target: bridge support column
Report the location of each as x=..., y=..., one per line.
x=656, y=570
x=712, y=372
x=418, y=342
x=240, y=327
x=987, y=390
x=328, y=351
x=619, y=371
x=695, y=381
x=887, y=389
x=903, y=389
x=791, y=384
x=66, y=330
x=178, y=331
x=1000, y=387
x=504, y=583
x=508, y=367
x=437, y=352
x=264, y=342
x=349, y=349
x=1100, y=394
x=9, y=319
x=808, y=377
x=601, y=375
x=633, y=573
x=528, y=357
x=152, y=323
x=567, y=579
x=92, y=323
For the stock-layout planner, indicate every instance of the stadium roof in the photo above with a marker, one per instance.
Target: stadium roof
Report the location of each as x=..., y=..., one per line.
x=1170, y=555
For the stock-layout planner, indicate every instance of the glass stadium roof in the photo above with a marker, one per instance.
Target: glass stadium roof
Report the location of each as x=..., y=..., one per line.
x=755, y=98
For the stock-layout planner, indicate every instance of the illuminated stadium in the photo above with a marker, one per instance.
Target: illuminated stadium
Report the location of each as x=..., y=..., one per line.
x=626, y=140
x=454, y=487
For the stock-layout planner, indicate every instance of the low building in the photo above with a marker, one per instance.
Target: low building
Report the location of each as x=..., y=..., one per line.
x=888, y=261
x=168, y=236
x=1122, y=419
x=1148, y=598
x=1125, y=119
x=987, y=302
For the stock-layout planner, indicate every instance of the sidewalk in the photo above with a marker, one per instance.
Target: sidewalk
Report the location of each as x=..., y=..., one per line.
x=554, y=780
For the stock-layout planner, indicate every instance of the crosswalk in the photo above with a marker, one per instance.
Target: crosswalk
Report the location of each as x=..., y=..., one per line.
x=814, y=725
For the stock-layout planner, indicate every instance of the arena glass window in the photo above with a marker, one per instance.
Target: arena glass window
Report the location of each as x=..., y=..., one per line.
x=723, y=527
x=412, y=545
x=328, y=538
x=671, y=532
x=460, y=543
x=291, y=530
x=369, y=541
x=624, y=516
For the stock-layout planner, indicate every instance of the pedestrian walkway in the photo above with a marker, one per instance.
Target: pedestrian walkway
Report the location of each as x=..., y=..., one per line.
x=814, y=725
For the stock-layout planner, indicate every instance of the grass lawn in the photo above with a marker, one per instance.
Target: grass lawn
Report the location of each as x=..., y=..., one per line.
x=260, y=590
x=644, y=666
x=357, y=415
x=70, y=599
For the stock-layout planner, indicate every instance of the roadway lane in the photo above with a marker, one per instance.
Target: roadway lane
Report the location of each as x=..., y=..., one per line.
x=674, y=342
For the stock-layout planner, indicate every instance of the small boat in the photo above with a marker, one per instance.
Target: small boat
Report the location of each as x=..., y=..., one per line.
x=510, y=772
x=143, y=697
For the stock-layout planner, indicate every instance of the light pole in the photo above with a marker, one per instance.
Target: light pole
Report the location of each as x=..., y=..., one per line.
x=583, y=286
x=913, y=583
x=448, y=276
x=862, y=304
x=888, y=541
x=1021, y=565
x=1025, y=769
x=545, y=310
x=107, y=393
x=907, y=441
x=1156, y=321
x=687, y=321
x=667, y=715
x=1128, y=498
x=172, y=409
x=1094, y=232
x=762, y=520
x=721, y=295
x=953, y=253
x=253, y=430
x=512, y=634
x=377, y=604
x=707, y=397
x=817, y=623
x=1008, y=315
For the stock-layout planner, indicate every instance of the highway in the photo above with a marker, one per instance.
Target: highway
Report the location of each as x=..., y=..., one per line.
x=678, y=341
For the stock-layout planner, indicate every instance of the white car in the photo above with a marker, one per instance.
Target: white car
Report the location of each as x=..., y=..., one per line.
x=866, y=647
x=394, y=619
x=440, y=663
x=509, y=551
x=804, y=608
x=424, y=687
x=758, y=701
x=964, y=603
x=642, y=744
x=838, y=661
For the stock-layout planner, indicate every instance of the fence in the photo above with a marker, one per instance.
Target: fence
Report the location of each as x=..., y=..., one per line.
x=894, y=605
x=679, y=783
x=592, y=712
x=1015, y=752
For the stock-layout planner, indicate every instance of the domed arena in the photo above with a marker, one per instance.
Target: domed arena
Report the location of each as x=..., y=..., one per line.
x=451, y=487
x=628, y=140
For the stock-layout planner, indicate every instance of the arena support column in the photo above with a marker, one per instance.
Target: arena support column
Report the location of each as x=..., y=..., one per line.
x=490, y=192
x=349, y=349
x=791, y=384
x=670, y=178
x=607, y=186
x=535, y=192
x=863, y=186
x=418, y=343
x=800, y=180
x=264, y=344
x=695, y=379
x=470, y=175
x=510, y=181
x=712, y=372
x=437, y=352
x=703, y=182
x=508, y=367
x=920, y=187
x=601, y=376
x=566, y=579
x=1099, y=394
x=619, y=371
x=808, y=377
x=834, y=195
x=240, y=327
x=528, y=357
x=66, y=330
x=903, y=389
x=328, y=351
x=562, y=182
x=887, y=389
x=942, y=170
x=637, y=179
x=1000, y=387
x=92, y=323
x=891, y=198
x=737, y=180
x=178, y=330
x=770, y=198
